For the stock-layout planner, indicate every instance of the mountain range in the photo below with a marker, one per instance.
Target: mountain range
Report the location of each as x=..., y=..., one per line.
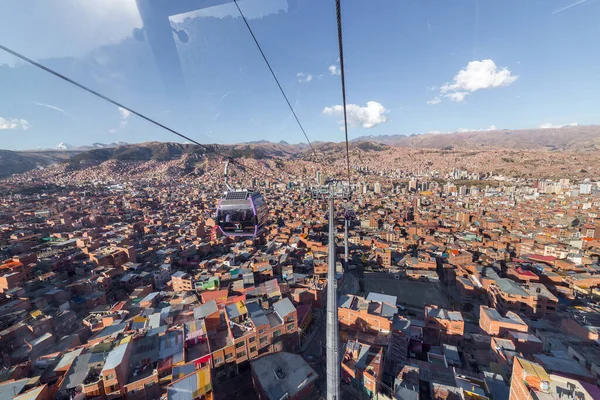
x=566, y=138
x=65, y=146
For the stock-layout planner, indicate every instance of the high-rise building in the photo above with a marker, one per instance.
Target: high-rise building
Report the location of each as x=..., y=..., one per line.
x=585, y=187
x=320, y=178
x=412, y=184
x=377, y=187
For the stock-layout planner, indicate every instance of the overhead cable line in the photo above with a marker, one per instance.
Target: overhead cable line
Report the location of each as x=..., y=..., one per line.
x=275, y=77
x=116, y=103
x=341, y=53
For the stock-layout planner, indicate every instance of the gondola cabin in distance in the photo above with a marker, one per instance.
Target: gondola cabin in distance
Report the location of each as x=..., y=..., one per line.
x=242, y=213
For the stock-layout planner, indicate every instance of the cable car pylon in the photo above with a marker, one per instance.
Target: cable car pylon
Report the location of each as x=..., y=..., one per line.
x=332, y=190
x=346, y=242
x=333, y=362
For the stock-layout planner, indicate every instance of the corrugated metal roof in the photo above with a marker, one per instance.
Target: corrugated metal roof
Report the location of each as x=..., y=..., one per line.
x=533, y=369
x=284, y=307
x=388, y=310
x=384, y=298
x=282, y=373
x=510, y=287
x=345, y=301
x=115, y=357
x=8, y=389
x=31, y=394
x=154, y=321
x=77, y=372
x=445, y=314
x=191, y=386
x=68, y=359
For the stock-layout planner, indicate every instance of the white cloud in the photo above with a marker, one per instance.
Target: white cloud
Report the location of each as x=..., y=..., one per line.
x=125, y=114
x=490, y=128
x=257, y=10
x=91, y=25
x=462, y=130
x=50, y=106
x=367, y=117
x=303, y=78
x=13, y=123
x=549, y=125
x=456, y=97
x=477, y=75
x=435, y=100
x=334, y=70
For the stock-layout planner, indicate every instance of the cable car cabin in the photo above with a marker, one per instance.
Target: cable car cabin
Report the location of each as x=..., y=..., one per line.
x=350, y=215
x=242, y=213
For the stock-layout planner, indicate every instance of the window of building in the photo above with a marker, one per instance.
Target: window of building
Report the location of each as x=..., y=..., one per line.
x=252, y=349
x=228, y=356
x=241, y=354
x=276, y=333
x=112, y=388
x=263, y=339
x=252, y=339
x=262, y=330
x=109, y=377
x=218, y=360
x=290, y=327
x=238, y=345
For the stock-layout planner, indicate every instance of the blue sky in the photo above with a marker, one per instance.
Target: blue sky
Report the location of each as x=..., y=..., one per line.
x=411, y=67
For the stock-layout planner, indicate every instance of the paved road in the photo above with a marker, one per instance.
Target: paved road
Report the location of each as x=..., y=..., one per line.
x=315, y=355
x=412, y=293
x=350, y=284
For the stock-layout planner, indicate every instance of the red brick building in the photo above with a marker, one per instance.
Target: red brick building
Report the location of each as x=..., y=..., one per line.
x=444, y=321
x=362, y=367
x=495, y=324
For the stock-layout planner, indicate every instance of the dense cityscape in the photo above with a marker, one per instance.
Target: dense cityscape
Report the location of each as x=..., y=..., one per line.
x=461, y=283
x=299, y=200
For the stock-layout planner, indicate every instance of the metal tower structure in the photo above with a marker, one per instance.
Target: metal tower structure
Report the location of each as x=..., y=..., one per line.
x=333, y=360
x=346, y=222
x=330, y=191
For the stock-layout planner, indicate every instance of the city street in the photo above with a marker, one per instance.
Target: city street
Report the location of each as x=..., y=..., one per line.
x=411, y=293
